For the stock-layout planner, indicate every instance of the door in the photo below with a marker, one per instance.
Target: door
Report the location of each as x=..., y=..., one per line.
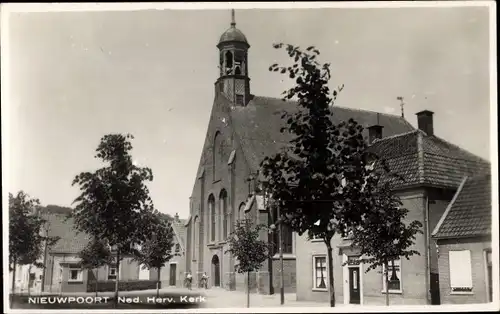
x=435, y=295
x=354, y=292
x=173, y=273
x=216, y=271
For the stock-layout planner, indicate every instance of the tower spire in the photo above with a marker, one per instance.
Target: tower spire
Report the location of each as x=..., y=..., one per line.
x=233, y=19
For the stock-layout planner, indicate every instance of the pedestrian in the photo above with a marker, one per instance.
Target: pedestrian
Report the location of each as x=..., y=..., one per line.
x=189, y=280
x=204, y=280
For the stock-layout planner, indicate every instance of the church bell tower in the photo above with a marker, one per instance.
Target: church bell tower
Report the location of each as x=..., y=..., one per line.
x=233, y=80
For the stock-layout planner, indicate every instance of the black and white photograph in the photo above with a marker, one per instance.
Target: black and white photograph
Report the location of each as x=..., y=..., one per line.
x=250, y=156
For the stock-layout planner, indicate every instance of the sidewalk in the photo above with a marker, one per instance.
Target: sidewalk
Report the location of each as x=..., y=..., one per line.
x=221, y=298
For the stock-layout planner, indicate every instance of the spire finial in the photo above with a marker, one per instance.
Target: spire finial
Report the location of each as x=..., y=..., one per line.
x=401, y=99
x=233, y=19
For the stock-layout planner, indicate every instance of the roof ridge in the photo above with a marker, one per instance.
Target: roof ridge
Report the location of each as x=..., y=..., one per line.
x=460, y=148
x=420, y=156
x=341, y=107
x=179, y=239
x=448, y=208
x=394, y=136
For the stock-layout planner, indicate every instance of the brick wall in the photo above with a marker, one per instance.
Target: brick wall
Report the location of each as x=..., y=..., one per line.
x=414, y=289
x=479, y=282
x=233, y=179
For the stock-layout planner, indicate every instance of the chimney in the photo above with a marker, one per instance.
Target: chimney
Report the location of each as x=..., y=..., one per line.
x=374, y=133
x=425, y=122
x=176, y=217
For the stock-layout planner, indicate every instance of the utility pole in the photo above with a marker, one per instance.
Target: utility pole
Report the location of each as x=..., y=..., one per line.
x=282, y=275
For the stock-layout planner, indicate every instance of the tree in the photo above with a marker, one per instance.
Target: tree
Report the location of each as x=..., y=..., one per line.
x=95, y=255
x=383, y=236
x=113, y=197
x=317, y=180
x=244, y=244
x=157, y=251
x=26, y=247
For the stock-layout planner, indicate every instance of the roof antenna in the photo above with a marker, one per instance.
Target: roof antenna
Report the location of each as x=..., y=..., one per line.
x=233, y=19
x=401, y=99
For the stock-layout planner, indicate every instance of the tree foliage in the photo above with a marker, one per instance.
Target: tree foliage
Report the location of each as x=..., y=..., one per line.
x=26, y=238
x=96, y=254
x=157, y=251
x=383, y=236
x=319, y=179
x=114, y=202
x=245, y=246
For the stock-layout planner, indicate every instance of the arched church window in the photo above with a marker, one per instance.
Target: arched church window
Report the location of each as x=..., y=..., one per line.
x=196, y=238
x=237, y=71
x=216, y=156
x=241, y=211
x=223, y=212
x=229, y=60
x=211, y=210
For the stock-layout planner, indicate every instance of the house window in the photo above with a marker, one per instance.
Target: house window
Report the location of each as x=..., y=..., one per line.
x=394, y=276
x=460, y=271
x=320, y=273
x=211, y=210
x=112, y=273
x=75, y=274
x=223, y=211
x=177, y=248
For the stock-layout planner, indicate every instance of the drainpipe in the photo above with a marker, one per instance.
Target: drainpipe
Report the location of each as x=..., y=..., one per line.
x=427, y=248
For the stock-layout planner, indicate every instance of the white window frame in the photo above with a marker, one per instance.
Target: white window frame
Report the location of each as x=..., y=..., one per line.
x=464, y=285
x=79, y=277
x=109, y=272
x=314, y=283
x=399, y=273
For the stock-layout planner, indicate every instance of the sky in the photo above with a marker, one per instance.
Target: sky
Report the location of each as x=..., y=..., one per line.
x=76, y=76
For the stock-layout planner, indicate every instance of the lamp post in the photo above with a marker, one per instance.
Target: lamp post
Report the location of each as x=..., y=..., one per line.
x=277, y=221
x=273, y=222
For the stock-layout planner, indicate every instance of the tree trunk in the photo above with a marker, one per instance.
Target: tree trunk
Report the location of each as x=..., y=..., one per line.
x=386, y=276
x=117, y=282
x=248, y=289
x=29, y=280
x=158, y=283
x=96, y=280
x=13, y=284
x=330, y=271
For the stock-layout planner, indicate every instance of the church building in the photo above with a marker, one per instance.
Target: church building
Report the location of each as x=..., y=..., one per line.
x=244, y=128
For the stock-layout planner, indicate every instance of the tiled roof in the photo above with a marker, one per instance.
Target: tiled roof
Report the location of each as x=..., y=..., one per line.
x=180, y=230
x=428, y=160
x=71, y=241
x=257, y=125
x=469, y=213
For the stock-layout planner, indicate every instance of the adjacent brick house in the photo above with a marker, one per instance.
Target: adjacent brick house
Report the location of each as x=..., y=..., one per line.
x=62, y=272
x=463, y=237
x=173, y=274
x=433, y=170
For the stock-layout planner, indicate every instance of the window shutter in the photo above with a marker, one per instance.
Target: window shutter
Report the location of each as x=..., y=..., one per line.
x=460, y=269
